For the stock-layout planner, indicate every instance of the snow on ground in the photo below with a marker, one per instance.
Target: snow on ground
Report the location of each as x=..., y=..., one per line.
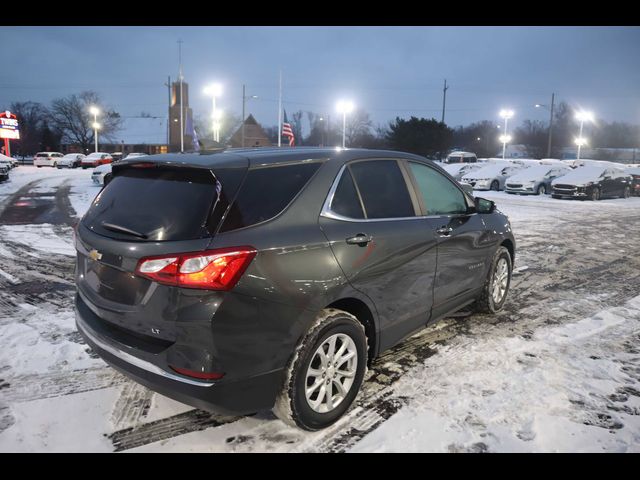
x=517, y=394
x=557, y=370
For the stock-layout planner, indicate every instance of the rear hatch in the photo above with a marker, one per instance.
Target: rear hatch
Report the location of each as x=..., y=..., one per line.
x=150, y=208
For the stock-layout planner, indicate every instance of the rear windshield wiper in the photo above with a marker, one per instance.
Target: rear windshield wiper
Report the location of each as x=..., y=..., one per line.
x=118, y=228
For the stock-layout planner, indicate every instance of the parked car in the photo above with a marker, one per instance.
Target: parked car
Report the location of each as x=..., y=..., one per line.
x=95, y=159
x=459, y=170
x=210, y=279
x=6, y=162
x=99, y=174
x=535, y=180
x=47, y=159
x=635, y=182
x=136, y=155
x=594, y=183
x=71, y=160
x=492, y=176
x=4, y=172
x=461, y=157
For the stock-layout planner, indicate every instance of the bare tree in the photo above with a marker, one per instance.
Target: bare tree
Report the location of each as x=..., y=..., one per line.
x=533, y=135
x=31, y=117
x=358, y=127
x=72, y=117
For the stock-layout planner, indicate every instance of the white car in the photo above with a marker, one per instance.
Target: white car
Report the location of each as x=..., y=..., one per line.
x=99, y=173
x=7, y=162
x=491, y=176
x=459, y=170
x=71, y=160
x=47, y=159
x=535, y=180
x=135, y=155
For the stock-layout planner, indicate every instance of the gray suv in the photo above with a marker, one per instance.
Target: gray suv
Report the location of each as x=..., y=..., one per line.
x=268, y=278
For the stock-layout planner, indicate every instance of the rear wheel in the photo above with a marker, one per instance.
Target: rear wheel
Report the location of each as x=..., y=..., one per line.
x=626, y=193
x=326, y=371
x=495, y=185
x=496, y=286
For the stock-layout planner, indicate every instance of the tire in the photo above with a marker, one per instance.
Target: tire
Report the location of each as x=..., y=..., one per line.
x=626, y=193
x=495, y=185
x=106, y=179
x=39, y=166
x=487, y=302
x=555, y=196
x=55, y=165
x=292, y=405
x=595, y=194
x=542, y=190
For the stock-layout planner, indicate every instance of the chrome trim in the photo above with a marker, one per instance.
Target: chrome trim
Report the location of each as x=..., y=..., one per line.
x=328, y=213
x=133, y=360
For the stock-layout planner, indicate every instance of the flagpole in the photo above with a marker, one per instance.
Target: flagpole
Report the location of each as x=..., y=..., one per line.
x=280, y=112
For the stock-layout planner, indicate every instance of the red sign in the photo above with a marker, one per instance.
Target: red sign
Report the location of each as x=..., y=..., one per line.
x=9, y=126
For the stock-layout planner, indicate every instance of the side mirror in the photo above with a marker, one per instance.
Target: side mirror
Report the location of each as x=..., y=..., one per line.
x=484, y=206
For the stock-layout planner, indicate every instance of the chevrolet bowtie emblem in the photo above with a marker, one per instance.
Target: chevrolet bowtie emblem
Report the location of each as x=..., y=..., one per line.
x=95, y=255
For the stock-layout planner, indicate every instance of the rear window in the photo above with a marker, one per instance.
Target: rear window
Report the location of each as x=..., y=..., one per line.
x=42, y=155
x=266, y=192
x=160, y=203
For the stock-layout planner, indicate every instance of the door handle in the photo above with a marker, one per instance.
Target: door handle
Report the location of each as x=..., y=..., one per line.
x=360, y=239
x=444, y=231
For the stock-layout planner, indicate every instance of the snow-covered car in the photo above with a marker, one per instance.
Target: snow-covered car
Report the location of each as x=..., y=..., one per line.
x=593, y=182
x=47, y=159
x=635, y=183
x=535, y=180
x=459, y=170
x=99, y=174
x=4, y=172
x=135, y=155
x=95, y=159
x=71, y=160
x=461, y=157
x=7, y=162
x=492, y=176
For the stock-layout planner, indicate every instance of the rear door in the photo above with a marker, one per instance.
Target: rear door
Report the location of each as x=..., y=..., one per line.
x=381, y=244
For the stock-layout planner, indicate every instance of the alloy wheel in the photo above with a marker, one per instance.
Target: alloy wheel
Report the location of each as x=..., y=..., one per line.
x=500, y=281
x=331, y=373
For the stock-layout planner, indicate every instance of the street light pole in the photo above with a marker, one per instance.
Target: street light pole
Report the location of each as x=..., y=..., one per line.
x=553, y=95
x=215, y=90
x=96, y=125
x=244, y=98
x=344, y=107
x=582, y=116
x=506, y=114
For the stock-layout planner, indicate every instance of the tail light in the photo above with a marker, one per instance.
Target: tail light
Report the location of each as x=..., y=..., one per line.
x=196, y=374
x=218, y=269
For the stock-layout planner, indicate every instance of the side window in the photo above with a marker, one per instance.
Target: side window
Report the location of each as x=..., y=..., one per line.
x=383, y=189
x=440, y=195
x=266, y=192
x=345, y=200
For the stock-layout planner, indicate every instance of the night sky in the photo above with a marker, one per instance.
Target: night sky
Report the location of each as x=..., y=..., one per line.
x=389, y=71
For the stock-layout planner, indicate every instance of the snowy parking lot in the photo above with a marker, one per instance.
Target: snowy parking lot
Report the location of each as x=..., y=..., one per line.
x=558, y=369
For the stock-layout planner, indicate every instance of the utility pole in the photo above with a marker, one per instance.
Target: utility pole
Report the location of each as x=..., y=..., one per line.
x=279, y=112
x=244, y=97
x=444, y=98
x=168, y=84
x=553, y=95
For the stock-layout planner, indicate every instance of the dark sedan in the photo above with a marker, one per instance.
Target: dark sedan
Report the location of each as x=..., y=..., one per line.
x=593, y=183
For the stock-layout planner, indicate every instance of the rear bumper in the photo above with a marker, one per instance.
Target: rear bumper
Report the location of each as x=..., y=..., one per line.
x=236, y=397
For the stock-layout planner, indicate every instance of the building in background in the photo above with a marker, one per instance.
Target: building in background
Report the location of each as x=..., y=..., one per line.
x=174, y=119
x=254, y=135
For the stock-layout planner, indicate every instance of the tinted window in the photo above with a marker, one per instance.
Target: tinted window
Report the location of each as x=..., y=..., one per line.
x=383, y=189
x=345, y=201
x=266, y=192
x=163, y=204
x=440, y=195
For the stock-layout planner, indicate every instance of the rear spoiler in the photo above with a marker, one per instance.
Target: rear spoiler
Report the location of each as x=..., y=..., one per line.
x=205, y=162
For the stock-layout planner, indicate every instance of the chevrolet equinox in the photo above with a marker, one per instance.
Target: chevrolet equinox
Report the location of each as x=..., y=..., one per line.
x=255, y=279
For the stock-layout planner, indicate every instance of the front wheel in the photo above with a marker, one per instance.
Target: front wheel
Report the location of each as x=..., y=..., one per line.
x=542, y=190
x=324, y=376
x=496, y=286
x=626, y=193
x=595, y=194
x=495, y=185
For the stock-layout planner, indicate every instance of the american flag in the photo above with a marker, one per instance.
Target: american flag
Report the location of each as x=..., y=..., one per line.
x=287, y=131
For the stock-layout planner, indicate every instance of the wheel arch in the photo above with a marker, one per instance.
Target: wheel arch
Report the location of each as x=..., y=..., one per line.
x=508, y=244
x=365, y=315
